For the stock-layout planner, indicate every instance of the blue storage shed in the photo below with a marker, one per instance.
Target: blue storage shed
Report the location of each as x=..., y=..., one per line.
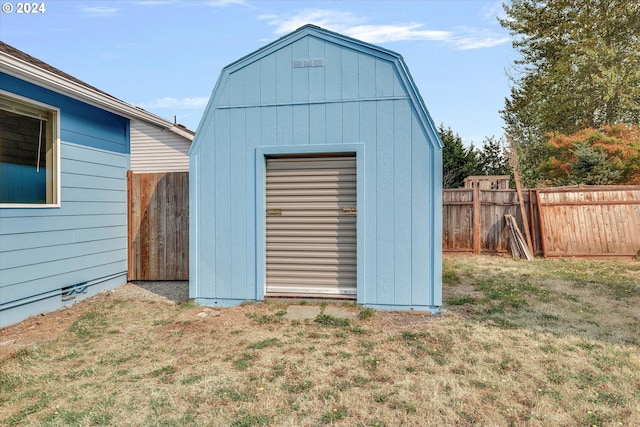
x=64, y=156
x=316, y=171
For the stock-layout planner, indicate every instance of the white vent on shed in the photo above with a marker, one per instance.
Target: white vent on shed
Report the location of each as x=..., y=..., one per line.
x=308, y=62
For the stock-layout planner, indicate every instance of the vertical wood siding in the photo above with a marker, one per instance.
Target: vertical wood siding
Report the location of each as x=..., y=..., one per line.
x=356, y=98
x=157, y=150
x=159, y=226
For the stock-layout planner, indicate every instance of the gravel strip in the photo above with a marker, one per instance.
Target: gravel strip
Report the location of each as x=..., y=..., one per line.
x=175, y=291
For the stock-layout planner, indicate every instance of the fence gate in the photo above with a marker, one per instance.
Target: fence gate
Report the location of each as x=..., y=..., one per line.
x=158, y=226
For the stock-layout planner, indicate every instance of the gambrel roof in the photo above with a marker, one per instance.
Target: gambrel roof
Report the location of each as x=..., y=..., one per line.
x=340, y=40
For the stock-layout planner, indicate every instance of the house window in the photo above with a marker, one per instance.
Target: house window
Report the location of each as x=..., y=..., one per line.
x=29, y=158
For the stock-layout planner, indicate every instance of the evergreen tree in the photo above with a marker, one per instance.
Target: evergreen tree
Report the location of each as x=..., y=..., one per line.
x=458, y=162
x=493, y=159
x=580, y=68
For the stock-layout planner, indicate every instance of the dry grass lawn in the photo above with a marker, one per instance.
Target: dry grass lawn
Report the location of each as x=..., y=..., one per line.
x=542, y=343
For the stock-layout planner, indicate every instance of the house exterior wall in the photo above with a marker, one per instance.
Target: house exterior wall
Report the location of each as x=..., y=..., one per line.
x=157, y=150
x=81, y=246
x=355, y=99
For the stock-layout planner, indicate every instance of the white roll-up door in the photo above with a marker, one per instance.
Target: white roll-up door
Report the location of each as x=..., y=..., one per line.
x=311, y=226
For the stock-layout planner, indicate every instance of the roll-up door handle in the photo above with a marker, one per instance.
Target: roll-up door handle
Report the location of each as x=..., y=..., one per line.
x=350, y=211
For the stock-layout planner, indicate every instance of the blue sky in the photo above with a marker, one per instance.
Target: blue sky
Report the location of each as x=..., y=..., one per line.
x=166, y=55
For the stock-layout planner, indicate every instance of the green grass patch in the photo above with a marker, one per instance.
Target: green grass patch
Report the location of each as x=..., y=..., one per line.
x=366, y=313
x=329, y=320
x=245, y=361
x=333, y=415
x=264, y=343
x=90, y=325
x=251, y=420
x=463, y=300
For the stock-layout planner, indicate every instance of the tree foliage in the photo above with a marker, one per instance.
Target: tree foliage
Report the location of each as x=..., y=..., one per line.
x=579, y=69
x=580, y=65
x=493, y=159
x=458, y=161
x=591, y=156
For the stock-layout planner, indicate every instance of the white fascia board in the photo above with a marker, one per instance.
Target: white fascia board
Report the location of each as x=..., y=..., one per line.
x=181, y=132
x=28, y=72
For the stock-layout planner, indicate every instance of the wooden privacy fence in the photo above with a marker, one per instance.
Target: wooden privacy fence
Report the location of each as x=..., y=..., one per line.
x=158, y=226
x=565, y=221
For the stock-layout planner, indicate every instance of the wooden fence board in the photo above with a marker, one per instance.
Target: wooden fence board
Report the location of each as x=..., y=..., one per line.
x=159, y=226
x=565, y=221
x=590, y=221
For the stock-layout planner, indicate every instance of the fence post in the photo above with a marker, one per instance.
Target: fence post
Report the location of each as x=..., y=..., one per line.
x=129, y=223
x=476, y=220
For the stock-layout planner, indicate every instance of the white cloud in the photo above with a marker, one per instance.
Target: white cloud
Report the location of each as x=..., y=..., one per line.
x=182, y=103
x=219, y=3
x=346, y=23
x=492, y=11
x=334, y=20
x=471, y=38
x=100, y=11
x=394, y=33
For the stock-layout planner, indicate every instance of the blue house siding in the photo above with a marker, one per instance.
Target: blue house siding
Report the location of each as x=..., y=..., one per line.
x=79, y=248
x=355, y=98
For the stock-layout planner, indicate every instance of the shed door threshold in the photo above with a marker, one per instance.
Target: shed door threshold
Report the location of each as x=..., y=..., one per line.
x=305, y=292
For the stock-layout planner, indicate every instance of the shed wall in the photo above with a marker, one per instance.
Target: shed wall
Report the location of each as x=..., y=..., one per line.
x=81, y=246
x=357, y=101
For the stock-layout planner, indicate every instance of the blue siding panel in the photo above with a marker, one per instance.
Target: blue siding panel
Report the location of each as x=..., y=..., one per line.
x=84, y=240
x=334, y=123
x=300, y=81
x=300, y=124
x=252, y=92
x=385, y=78
x=284, y=81
x=317, y=83
x=421, y=244
x=238, y=205
x=402, y=202
x=317, y=124
x=268, y=88
x=350, y=117
x=333, y=72
x=384, y=209
x=221, y=211
x=360, y=99
x=349, y=74
x=366, y=76
x=22, y=241
x=284, y=125
x=368, y=135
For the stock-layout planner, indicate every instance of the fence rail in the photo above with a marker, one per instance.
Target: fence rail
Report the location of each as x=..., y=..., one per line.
x=565, y=221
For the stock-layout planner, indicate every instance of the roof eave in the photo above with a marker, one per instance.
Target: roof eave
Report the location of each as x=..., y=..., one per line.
x=25, y=71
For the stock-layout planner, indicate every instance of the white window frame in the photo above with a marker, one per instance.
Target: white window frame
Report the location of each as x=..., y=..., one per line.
x=53, y=193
